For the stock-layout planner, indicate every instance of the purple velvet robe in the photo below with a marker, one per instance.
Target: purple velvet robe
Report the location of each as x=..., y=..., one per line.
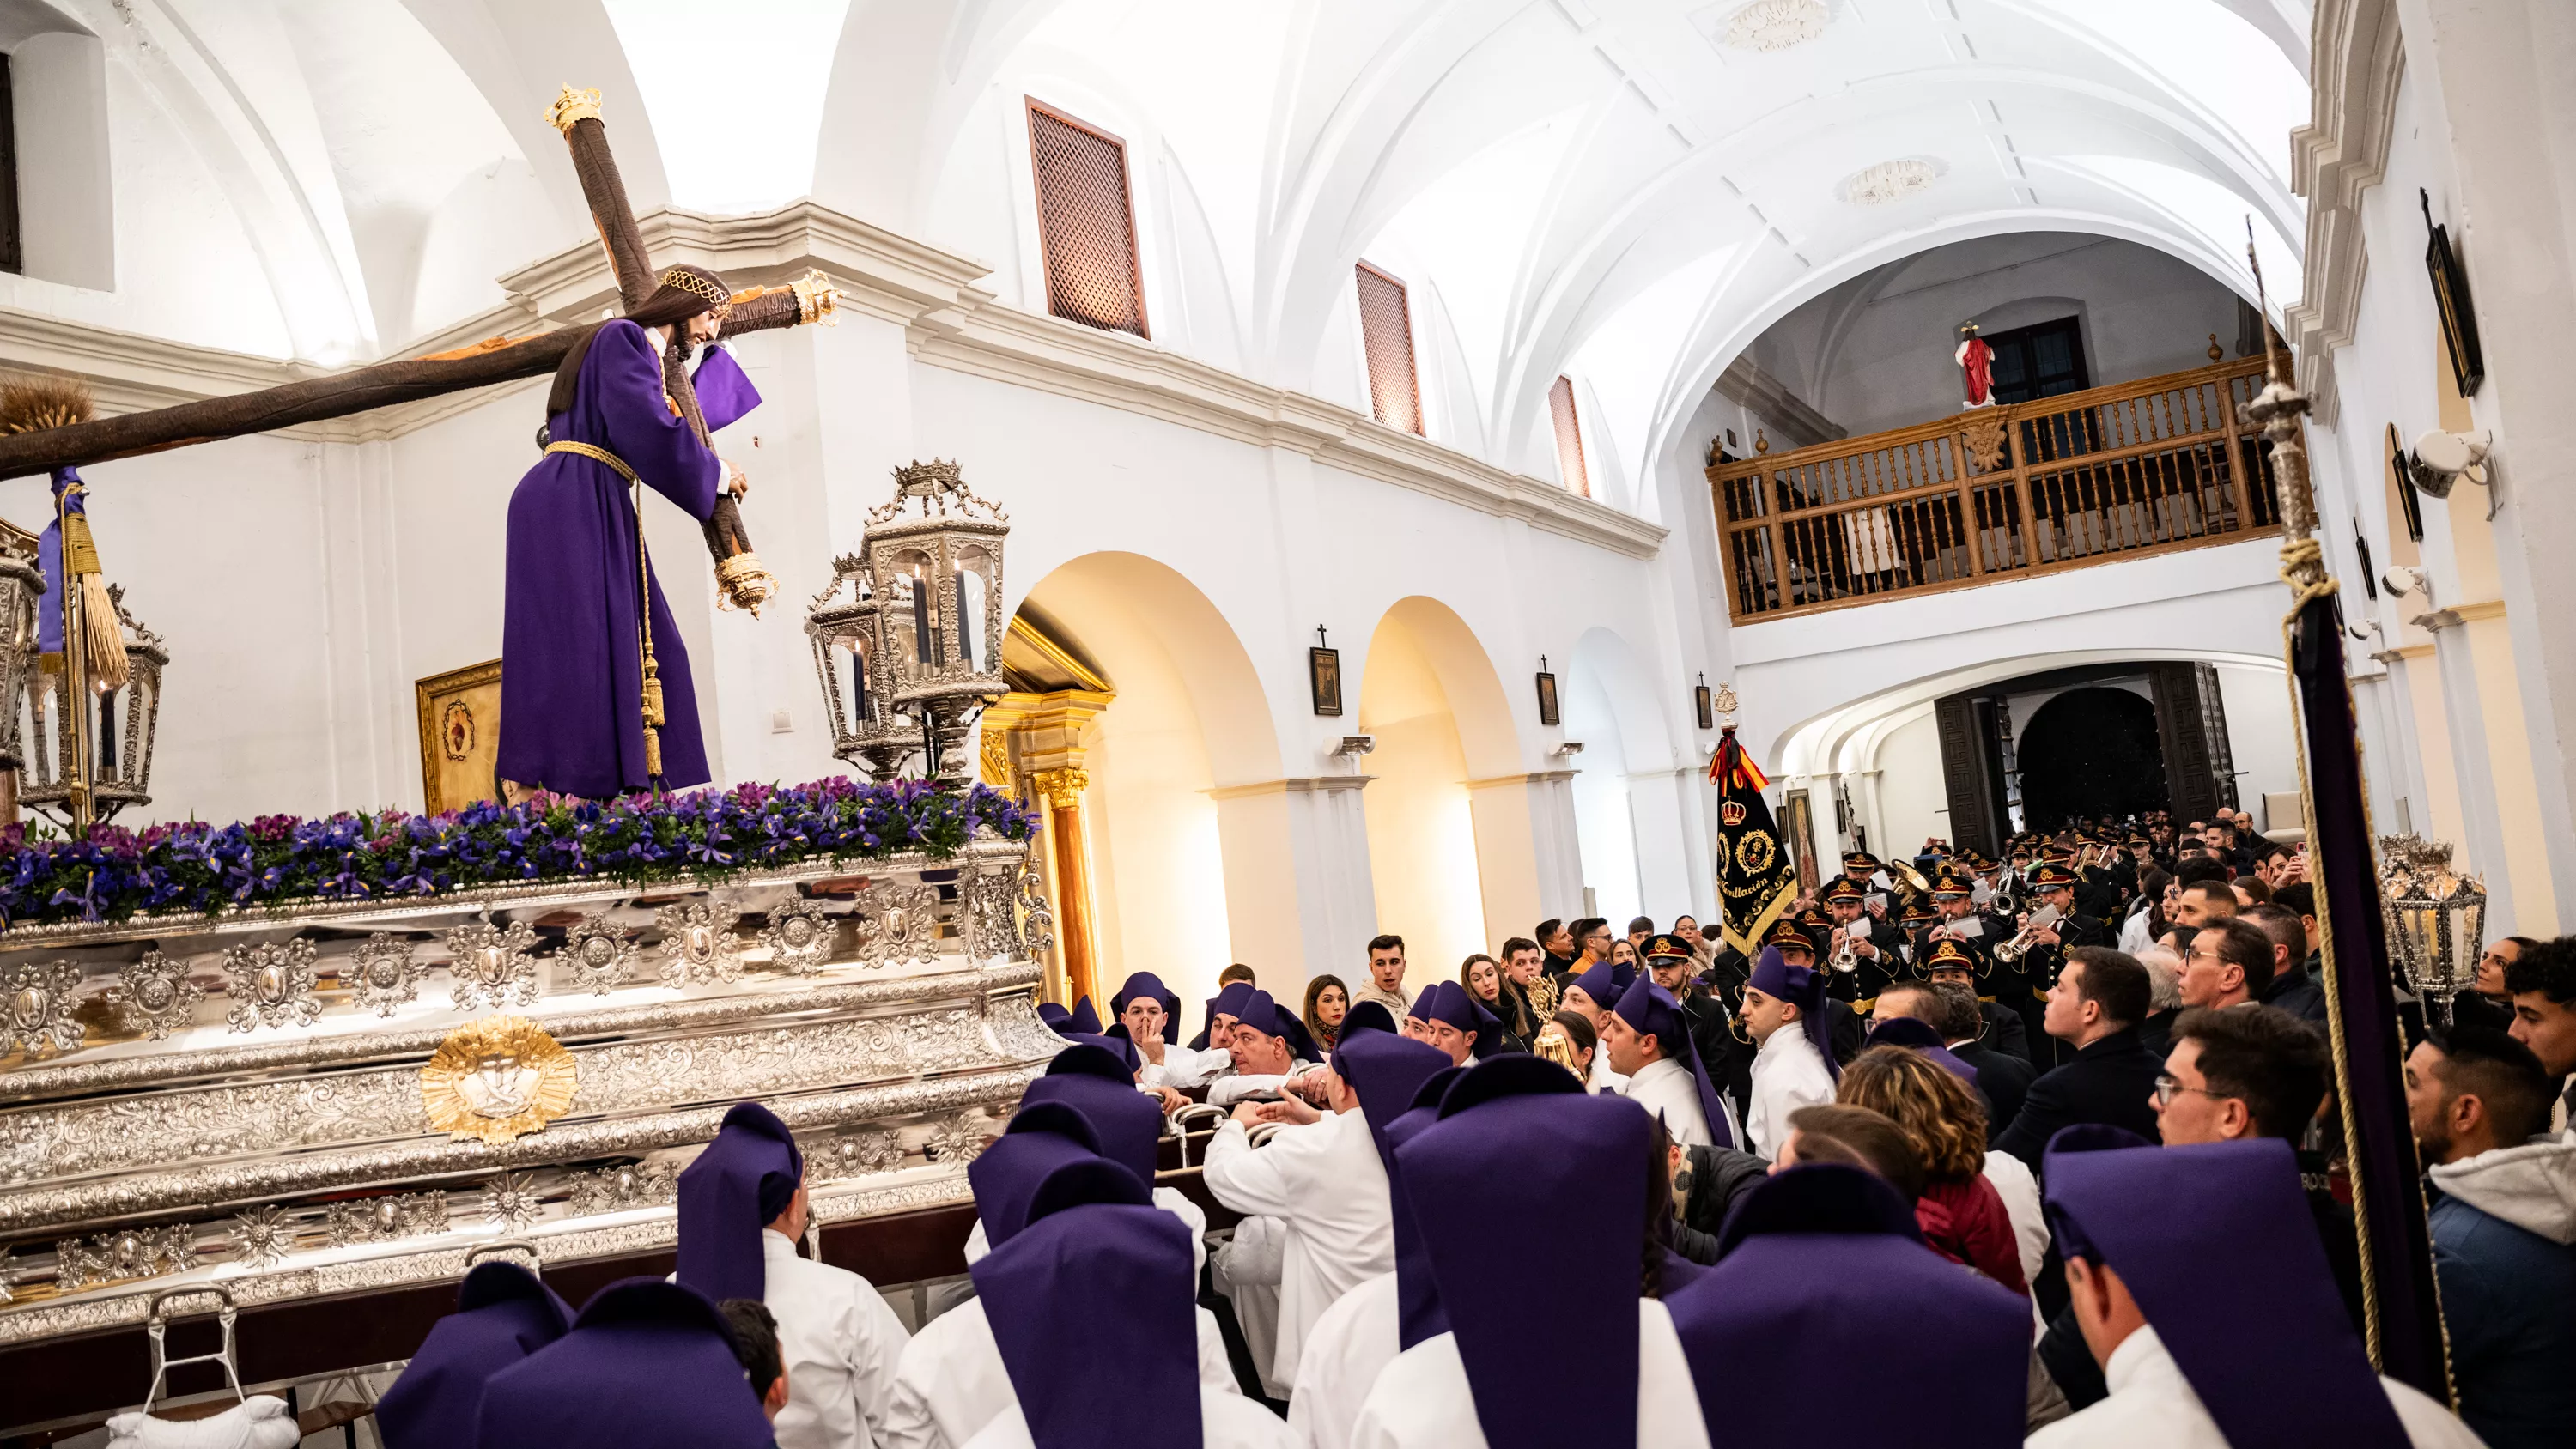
x=571, y=669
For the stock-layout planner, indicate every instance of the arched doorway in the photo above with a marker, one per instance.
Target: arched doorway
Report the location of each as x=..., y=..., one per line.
x=2089, y=752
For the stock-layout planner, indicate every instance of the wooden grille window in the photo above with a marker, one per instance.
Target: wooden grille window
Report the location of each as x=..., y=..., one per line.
x=1569, y=438
x=1086, y=223
x=1386, y=336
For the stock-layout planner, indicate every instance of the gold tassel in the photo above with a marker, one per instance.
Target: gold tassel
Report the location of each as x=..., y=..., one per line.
x=653, y=714
x=104, y=640
x=652, y=753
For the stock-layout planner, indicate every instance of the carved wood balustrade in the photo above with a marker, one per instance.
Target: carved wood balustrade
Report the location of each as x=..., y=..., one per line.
x=2012, y=491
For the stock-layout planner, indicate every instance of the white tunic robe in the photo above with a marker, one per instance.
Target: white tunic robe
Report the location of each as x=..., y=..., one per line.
x=840, y=1343
x=1351, y=1345
x=1169, y=1199
x=1422, y=1399
x=1182, y=1067
x=1325, y=1182
x=1235, y=1423
x=1787, y=1075
x=952, y=1383
x=2152, y=1406
x=1668, y=1088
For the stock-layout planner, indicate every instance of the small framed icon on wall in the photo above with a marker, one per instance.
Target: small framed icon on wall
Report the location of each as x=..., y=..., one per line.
x=1324, y=676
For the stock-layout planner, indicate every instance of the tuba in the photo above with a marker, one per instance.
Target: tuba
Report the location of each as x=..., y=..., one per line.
x=2019, y=946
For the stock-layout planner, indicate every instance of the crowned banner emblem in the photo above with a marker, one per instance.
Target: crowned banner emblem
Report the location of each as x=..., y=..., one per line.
x=1755, y=878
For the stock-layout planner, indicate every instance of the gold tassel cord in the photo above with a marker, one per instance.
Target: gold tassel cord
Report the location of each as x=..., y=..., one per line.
x=102, y=640
x=649, y=695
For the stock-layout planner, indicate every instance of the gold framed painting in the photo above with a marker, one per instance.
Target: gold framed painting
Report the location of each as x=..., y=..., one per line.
x=460, y=736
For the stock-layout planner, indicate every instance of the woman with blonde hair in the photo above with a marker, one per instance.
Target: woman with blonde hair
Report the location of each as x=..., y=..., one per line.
x=1961, y=1214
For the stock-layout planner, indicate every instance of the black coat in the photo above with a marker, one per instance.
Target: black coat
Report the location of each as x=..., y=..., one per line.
x=2004, y=1078
x=2299, y=992
x=2109, y=1081
x=1718, y=1176
x=2004, y=1031
x=2156, y=1032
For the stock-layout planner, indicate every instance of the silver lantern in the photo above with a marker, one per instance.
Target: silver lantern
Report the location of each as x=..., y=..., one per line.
x=934, y=561
x=850, y=663
x=21, y=585
x=2436, y=920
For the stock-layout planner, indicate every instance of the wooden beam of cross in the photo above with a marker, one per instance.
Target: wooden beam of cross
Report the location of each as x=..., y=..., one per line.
x=575, y=113
x=806, y=300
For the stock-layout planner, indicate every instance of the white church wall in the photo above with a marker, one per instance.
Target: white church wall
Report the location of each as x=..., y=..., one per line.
x=1913, y=800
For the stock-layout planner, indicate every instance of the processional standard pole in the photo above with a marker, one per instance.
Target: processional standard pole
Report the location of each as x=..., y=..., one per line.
x=2402, y=1315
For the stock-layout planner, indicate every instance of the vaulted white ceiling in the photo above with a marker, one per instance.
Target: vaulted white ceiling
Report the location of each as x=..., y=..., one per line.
x=1627, y=190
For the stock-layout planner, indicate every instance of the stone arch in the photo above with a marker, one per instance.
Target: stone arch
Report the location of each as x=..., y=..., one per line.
x=1170, y=892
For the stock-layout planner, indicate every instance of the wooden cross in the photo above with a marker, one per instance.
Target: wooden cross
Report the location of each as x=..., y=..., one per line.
x=576, y=115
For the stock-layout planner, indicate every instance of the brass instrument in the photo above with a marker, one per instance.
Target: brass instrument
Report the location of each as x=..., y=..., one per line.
x=1846, y=958
x=1910, y=877
x=2019, y=946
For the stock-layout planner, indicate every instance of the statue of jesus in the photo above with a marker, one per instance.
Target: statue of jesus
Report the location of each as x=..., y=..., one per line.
x=595, y=691
x=1976, y=362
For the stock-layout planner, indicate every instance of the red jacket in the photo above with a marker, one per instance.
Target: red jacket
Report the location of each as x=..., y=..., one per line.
x=1965, y=1222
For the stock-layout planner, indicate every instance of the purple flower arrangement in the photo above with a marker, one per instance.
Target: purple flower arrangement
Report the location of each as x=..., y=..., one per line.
x=194, y=868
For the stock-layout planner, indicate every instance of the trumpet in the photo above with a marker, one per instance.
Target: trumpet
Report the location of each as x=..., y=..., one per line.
x=2019, y=946
x=1846, y=958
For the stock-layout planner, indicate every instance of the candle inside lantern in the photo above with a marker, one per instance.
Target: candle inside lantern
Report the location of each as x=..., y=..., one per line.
x=965, y=619
x=860, y=710
x=925, y=641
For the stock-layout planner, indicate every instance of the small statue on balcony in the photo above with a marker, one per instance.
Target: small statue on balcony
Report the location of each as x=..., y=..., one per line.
x=1976, y=363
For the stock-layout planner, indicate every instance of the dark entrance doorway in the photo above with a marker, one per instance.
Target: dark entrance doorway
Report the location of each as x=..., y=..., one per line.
x=2091, y=752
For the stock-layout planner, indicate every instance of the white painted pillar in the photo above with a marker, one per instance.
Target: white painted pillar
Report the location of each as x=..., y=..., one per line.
x=2481, y=829
x=1657, y=803
x=1529, y=864
x=1297, y=886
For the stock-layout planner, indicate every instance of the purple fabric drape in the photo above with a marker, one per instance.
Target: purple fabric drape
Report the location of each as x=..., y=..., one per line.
x=571, y=666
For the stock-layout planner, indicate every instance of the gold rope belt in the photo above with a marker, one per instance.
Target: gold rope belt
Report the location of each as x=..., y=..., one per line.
x=650, y=695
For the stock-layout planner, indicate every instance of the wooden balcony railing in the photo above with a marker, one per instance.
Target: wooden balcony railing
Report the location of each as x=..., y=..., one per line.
x=2007, y=492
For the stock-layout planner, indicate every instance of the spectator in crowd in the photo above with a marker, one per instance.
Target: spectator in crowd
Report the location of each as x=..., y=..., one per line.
x=1703, y=948
x=1386, y=976
x=1483, y=977
x=2094, y=1009
x=1569, y=1039
x=2503, y=1220
x=2146, y=918
x=1951, y=1009
x=2204, y=903
x=1526, y=965
x=1591, y=945
x=2487, y=1003
x=1623, y=954
x=2003, y=1030
x=1639, y=928
x=755, y=1342
x=2164, y=997
x=2291, y=988
x=1556, y=941
x=2229, y=964
x=2542, y=982
x=1327, y=1002
x=1854, y=1137
x=1961, y=1214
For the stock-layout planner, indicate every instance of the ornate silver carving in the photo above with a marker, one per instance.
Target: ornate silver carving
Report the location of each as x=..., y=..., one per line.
x=383, y=974
x=9, y=1271
x=959, y=1139
x=857, y=1154
x=698, y=942
x=36, y=1001
x=596, y=954
x=1037, y=918
x=898, y=923
x=271, y=984
x=799, y=935
x=511, y=1201
x=384, y=1219
x=492, y=966
x=342, y=1049
x=154, y=996
x=131, y=1253
x=617, y=1189
x=178, y=1186
x=263, y=1236
x=435, y=1263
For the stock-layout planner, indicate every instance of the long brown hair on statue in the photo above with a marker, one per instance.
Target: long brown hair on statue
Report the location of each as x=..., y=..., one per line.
x=685, y=291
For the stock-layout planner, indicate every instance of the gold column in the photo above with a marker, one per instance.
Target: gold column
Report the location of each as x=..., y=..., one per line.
x=1045, y=736
x=1076, y=941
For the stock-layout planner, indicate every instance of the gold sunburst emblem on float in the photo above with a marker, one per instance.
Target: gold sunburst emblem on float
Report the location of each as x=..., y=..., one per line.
x=497, y=1079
